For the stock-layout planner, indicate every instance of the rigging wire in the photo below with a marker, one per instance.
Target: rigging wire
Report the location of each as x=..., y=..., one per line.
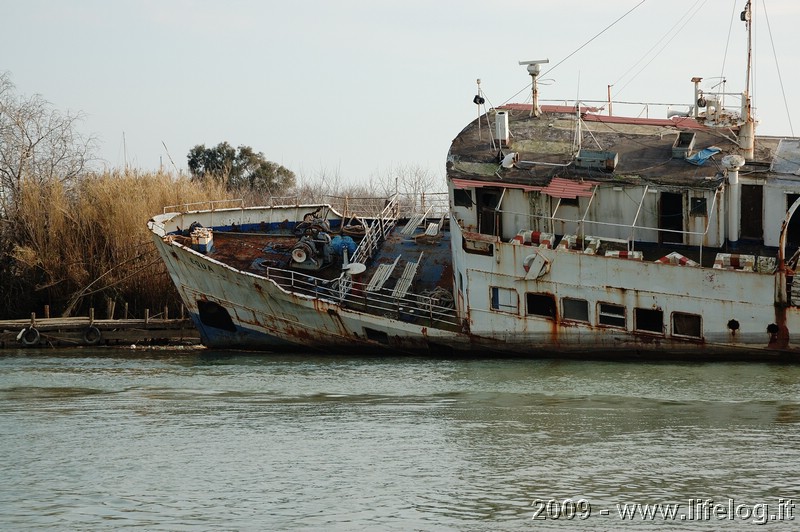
x=777, y=66
x=593, y=38
x=750, y=81
x=669, y=31
x=688, y=17
x=728, y=41
x=481, y=99
x=631, y=10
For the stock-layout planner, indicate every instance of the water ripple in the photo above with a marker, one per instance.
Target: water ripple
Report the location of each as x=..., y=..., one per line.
x=286, y=442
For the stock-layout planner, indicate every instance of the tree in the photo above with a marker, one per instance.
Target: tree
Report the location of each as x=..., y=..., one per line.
x=240, y=168
x=37, y=143
x=41, y=155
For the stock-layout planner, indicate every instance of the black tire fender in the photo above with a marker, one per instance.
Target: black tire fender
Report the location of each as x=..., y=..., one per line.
x=92, y=335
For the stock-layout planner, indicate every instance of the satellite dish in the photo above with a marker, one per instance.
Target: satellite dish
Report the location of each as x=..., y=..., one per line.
x=354, y=268
x=509, y=160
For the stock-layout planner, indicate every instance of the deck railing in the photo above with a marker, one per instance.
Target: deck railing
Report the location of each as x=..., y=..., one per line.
x=433, y=308
x=376, y=231
x=210, y=205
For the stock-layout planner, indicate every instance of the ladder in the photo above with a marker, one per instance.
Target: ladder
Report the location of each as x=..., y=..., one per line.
x=404, y=283
x=380, y=276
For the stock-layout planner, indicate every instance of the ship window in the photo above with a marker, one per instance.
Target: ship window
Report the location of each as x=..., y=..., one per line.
x=611, y=315
x=687, y=325
x=462, y=198
x=214, y=315
x=565, y=202
x=504, y=299
x=698, y=207
x=541, y=305
x=650, y=320
x=575, y=309
x=477, y=247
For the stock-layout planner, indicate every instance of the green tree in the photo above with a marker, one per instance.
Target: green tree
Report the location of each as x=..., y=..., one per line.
x=241, y=168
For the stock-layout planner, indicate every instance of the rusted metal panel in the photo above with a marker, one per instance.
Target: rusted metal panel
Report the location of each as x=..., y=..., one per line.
x=726, y=310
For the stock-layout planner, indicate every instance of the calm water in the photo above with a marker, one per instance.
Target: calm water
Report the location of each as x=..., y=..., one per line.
x=193, y=440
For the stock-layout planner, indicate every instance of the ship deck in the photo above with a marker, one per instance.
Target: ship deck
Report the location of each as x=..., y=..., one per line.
x=409, y=269
x=257, y=252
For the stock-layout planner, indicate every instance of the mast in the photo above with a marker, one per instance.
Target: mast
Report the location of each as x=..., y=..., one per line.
x=534, y=68
x=747, y=132
x=746, y=17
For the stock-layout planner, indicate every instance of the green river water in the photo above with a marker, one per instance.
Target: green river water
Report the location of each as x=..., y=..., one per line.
x=112, y=439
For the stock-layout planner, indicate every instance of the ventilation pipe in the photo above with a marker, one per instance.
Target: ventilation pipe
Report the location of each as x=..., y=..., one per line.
x=733, y=163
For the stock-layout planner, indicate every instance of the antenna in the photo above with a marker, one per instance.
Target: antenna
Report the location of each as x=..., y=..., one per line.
x=534, y=67
x=479, y=100
x=747, y=132
x=170, y=158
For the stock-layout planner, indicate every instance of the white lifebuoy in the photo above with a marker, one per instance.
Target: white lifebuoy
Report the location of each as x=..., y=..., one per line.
x=526, y=263
x=29, y=337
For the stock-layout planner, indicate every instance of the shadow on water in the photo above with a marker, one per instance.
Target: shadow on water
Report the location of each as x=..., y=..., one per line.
x=22, y=393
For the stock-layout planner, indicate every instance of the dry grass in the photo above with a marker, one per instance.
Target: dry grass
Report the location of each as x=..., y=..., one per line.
x=75, y=249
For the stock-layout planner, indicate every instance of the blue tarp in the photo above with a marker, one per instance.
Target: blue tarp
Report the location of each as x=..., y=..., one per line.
x=700, y=158
x=340, y=242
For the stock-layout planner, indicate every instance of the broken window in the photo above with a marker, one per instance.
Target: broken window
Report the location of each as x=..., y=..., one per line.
x=504, y=299
x=648, y=319
x=698, y=207
x=462, y=198
x=569, y=201
x=611, y=315
x=575, y=309
x=684, y=324
x=543, y=305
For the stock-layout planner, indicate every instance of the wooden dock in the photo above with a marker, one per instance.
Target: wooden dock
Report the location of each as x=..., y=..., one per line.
x=88, y=331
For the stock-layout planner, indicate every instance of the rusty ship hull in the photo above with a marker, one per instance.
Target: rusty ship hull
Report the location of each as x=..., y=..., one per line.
x=243, y=292
x=565, y=230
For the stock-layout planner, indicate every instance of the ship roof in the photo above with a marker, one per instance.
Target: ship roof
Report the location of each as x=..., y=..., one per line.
x=638, y=151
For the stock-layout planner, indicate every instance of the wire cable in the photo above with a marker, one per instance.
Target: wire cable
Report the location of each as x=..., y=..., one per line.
x=581, y=47
x=688, y=18
x=777, y=66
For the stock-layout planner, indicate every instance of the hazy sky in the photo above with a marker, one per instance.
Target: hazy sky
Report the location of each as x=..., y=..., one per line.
x=358, y=87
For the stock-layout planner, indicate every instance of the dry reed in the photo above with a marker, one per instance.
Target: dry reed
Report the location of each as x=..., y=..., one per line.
x=77, y=248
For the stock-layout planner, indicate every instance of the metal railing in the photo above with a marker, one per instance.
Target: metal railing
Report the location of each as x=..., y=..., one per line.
x=210, y=205
x=434, y=308
x=376, y=231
